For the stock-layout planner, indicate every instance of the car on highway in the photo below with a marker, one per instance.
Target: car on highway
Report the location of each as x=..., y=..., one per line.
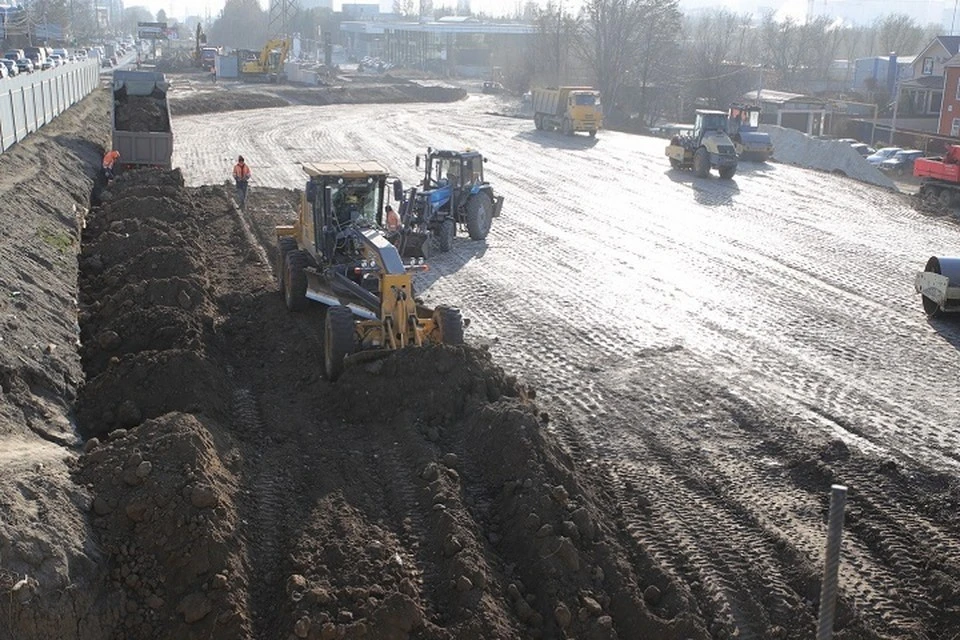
x=880, y=155
x=25, y=65
x=3, y=71
x=902, y=163
x=11, y=67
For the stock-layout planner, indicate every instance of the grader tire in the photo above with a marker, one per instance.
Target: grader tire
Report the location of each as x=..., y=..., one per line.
x=701, y=163
x=479, y=216
x=284, y=246
x=451, y=325
x=727, y=172
x=295, y=286
x=338, y=340
x=675, y=164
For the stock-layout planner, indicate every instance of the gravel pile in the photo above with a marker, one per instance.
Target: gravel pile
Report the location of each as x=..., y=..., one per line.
x=793, y=147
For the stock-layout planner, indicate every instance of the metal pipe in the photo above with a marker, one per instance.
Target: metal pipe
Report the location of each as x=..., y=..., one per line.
x=831, y=563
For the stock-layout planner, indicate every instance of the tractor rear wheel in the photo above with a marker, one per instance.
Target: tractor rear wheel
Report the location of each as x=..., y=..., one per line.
x=727, y=172
x=284, y=246
x=701, y=163
x=450, y=322
x=445, y=234
x=338, y=340
x=295, y=287
x=479, y=216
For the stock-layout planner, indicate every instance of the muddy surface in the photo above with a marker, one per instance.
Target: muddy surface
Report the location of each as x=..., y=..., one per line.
x=576, y=471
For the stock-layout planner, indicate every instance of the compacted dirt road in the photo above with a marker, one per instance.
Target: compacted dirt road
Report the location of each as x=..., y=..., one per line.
x=664, y=377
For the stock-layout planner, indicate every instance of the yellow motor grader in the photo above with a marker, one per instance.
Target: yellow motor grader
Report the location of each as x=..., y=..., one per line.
x=336, y=254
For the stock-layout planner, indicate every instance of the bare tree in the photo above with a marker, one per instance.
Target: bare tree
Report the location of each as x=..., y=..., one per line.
x=557, y=33
x=898, y=33
x=615, y=37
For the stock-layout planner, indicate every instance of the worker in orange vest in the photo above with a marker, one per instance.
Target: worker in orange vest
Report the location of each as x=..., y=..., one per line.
x=241, y=175
x=108, y=161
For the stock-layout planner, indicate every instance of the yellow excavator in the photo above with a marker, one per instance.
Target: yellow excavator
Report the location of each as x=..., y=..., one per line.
x=336, y=254
x=268, y=65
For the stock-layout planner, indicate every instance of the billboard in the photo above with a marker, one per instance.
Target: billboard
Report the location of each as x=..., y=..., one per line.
x=152, y=30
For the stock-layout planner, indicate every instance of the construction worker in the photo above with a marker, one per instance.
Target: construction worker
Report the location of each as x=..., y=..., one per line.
x=393, y=220
x=241, y=175
x=109, y=160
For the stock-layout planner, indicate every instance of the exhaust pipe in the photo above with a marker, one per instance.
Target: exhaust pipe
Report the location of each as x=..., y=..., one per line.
x=939, y=286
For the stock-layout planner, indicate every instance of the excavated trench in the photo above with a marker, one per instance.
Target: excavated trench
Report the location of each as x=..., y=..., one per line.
x=238, y=494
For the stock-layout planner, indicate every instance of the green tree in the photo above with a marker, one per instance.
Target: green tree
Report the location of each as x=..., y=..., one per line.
x=161, y=16
x=133, y=15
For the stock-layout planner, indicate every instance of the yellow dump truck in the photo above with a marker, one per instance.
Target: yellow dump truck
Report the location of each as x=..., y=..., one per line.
x=569, y=109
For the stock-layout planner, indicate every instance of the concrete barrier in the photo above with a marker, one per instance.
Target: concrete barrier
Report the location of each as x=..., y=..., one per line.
x=31, y=100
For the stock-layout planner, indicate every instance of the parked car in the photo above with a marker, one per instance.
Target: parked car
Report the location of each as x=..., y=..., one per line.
x=863, y=149
x=880, y=155
x=12, y=69
x=902, y=163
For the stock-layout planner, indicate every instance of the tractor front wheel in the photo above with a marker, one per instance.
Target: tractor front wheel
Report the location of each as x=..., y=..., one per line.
x=338, y=340
x=676, y=164
x=450, y=322
x=479, y=216
x=445, y=234
x=701, y=162
x=295, y=286
x=727, y=172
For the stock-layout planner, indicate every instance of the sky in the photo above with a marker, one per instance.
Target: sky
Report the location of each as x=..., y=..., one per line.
x=858, y=11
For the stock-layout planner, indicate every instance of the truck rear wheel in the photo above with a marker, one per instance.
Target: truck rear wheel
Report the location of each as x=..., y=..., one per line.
x=479, y=216
x=538, y=122
x=338, y=340
x=567, y=127
x=701, y=162
x=593, y=133
x=295, y=287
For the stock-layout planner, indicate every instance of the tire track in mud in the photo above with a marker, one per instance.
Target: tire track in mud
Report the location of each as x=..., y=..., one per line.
x=573, y=289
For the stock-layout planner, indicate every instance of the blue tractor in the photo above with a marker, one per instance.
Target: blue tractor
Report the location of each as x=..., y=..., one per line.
x=453, y=193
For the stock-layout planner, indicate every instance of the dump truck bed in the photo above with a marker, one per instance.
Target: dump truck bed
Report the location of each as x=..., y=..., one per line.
x=141, y=119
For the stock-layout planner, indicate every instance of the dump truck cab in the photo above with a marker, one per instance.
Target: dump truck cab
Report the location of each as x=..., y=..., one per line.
x=335, y=253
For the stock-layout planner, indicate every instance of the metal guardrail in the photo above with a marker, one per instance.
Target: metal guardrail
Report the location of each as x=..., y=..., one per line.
x=29, y=101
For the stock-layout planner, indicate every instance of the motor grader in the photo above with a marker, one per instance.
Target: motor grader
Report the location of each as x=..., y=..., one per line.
x=708, y=146
x=336, y=254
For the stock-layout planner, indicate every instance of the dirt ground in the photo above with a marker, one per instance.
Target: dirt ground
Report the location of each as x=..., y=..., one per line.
x=175, y=466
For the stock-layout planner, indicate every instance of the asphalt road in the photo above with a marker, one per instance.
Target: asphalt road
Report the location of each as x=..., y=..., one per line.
x=705, y=344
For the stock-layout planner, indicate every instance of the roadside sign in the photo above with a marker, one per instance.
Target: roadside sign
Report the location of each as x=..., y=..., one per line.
x=152, y=30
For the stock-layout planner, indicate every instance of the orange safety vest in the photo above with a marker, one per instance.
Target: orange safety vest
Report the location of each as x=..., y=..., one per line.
x=110, y=158
x=241, y=171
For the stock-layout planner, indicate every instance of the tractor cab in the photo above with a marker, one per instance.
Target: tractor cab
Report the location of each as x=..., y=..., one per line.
x=339, y=197
x=709, y=122
x=451, y=176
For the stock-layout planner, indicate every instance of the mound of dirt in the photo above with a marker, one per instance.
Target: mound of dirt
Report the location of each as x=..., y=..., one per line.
x=795, y=147
x=238, y=98
x=141, y=113
x=146, y=309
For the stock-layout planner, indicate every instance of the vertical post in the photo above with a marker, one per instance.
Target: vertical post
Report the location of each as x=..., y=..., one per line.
x=831, y=563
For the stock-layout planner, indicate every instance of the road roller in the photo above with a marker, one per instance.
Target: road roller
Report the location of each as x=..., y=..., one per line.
x=939, y=285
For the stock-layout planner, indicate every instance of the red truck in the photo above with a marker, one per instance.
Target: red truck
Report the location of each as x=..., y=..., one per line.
x=940, y=176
